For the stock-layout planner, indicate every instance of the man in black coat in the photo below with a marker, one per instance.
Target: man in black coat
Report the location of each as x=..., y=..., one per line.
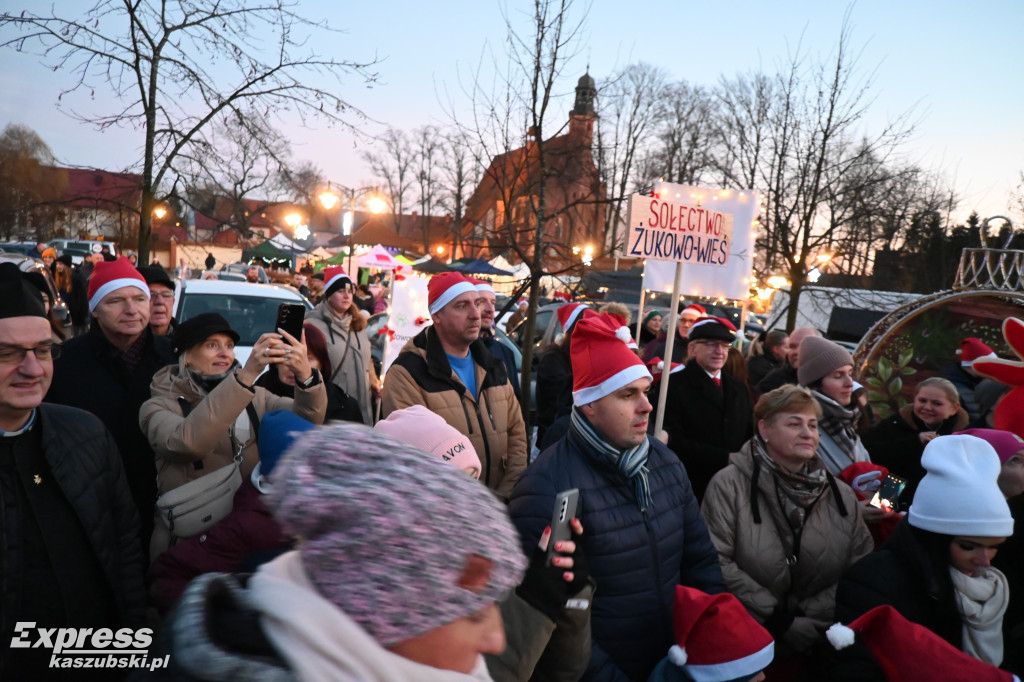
x=708, y=413
x=69, y=547
x=108, y=371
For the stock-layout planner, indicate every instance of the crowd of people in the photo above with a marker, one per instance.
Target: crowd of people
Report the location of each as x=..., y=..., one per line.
x=291, y=515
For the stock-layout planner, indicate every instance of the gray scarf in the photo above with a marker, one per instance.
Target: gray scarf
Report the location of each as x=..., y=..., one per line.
x=631, y=463
x=839, y=423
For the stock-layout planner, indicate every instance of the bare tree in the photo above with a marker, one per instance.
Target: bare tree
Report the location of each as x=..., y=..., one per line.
x=29, y=185
x=427, y=144
x=176, y=66
x=303, y=183
x=458, y=172
x=804, y=155
x=243, y=161
x=393, y=163
x=522, y=205
x=686, y=135
x=629, y=111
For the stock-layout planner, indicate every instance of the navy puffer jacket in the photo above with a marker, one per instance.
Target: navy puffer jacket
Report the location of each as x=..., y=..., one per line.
x=636, y=558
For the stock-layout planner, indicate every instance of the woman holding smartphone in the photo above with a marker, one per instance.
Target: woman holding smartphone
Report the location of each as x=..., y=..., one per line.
x=206, y=408
x=936, y=568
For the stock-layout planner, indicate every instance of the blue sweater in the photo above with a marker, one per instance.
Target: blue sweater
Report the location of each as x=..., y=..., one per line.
x=636, y=558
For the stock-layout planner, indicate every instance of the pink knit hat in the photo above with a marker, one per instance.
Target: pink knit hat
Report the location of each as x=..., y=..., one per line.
x=1006, y=444
x=418, y=426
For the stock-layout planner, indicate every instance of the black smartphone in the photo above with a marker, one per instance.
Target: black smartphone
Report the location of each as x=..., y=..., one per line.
x=290, y=317
x=887, y=497
x=564, y=512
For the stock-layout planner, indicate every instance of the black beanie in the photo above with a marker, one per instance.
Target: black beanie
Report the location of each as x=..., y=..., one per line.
x=18, y=297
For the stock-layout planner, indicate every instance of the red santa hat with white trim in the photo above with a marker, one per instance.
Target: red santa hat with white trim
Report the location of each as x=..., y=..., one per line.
x=569, y=313
x=908, y=652
x=716, y=638
x=657, y=368
x=335, y=279
x=109, y=276
x=444, y=288
x=482, y=285
x=972, y=349
x=602, y=362
x=694, y=308
x=623, y=331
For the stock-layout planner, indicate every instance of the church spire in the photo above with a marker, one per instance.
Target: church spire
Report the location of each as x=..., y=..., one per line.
x=586, y=92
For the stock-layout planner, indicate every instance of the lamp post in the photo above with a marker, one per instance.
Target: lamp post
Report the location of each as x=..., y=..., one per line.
x=329, y=199
x=294, y=221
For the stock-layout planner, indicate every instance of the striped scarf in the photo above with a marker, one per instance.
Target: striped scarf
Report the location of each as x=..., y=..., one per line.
x=631, y=463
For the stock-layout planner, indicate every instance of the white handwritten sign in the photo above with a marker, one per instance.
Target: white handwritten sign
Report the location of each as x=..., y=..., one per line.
x=683, y=233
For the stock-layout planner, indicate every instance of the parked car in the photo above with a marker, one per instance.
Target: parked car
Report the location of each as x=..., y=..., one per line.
x=17, y=248
x=545, y=331
x=236, y=272
x=251, y=309
x=79, y=248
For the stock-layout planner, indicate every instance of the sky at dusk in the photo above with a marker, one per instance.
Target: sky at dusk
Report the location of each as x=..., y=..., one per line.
x=956, y=65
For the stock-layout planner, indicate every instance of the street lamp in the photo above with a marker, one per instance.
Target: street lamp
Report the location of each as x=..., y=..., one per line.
x=329, y=199
x=299, y=231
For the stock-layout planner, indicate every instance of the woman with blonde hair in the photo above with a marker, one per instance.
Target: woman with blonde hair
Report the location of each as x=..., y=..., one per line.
x=784, y=528
x=898, y=442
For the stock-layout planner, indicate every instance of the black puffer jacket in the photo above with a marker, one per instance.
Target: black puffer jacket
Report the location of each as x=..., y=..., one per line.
x=637, y=558
x=83, y=459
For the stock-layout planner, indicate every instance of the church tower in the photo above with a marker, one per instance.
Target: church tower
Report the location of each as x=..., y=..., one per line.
x=581, y=118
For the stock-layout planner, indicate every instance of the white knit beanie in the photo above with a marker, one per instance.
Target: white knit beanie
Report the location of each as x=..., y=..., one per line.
x=959, y=494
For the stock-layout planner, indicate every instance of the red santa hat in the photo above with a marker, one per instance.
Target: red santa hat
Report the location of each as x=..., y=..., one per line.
x=716, y=639
x=569, y=313
x=694, y=308
x=657, y=367
x=109, y=276
x=602, y=363
x=972, y=349
x=444, y=288
x=335, y=278
x=482, y=285
x=908, y=652
x=624, y=325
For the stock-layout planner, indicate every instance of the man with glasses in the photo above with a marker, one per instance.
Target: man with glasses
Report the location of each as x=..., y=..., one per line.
x=488, y=300
x=108, y=371
x=68, y=525
x=708, y=413
x=161, y=300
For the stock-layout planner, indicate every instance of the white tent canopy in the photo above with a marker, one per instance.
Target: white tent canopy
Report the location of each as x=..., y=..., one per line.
x=378, y=257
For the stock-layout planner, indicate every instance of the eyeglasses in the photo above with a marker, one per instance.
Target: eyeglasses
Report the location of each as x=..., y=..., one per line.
x=15, y=355
x=708, y=343
x=166, y=295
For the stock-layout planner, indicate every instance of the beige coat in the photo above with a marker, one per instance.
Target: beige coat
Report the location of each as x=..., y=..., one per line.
x=189, y=447
x=753, y=555
x=349, y=354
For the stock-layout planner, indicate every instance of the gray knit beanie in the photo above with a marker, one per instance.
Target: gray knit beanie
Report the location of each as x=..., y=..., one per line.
x=386, y=530
x=818, y=358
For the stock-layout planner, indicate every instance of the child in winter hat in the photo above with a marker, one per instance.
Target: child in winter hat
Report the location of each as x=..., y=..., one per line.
x=387, y=533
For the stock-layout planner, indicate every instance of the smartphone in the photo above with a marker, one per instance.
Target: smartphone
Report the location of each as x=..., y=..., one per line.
x=290, y=317
x=887, y=497
x=564, y=512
